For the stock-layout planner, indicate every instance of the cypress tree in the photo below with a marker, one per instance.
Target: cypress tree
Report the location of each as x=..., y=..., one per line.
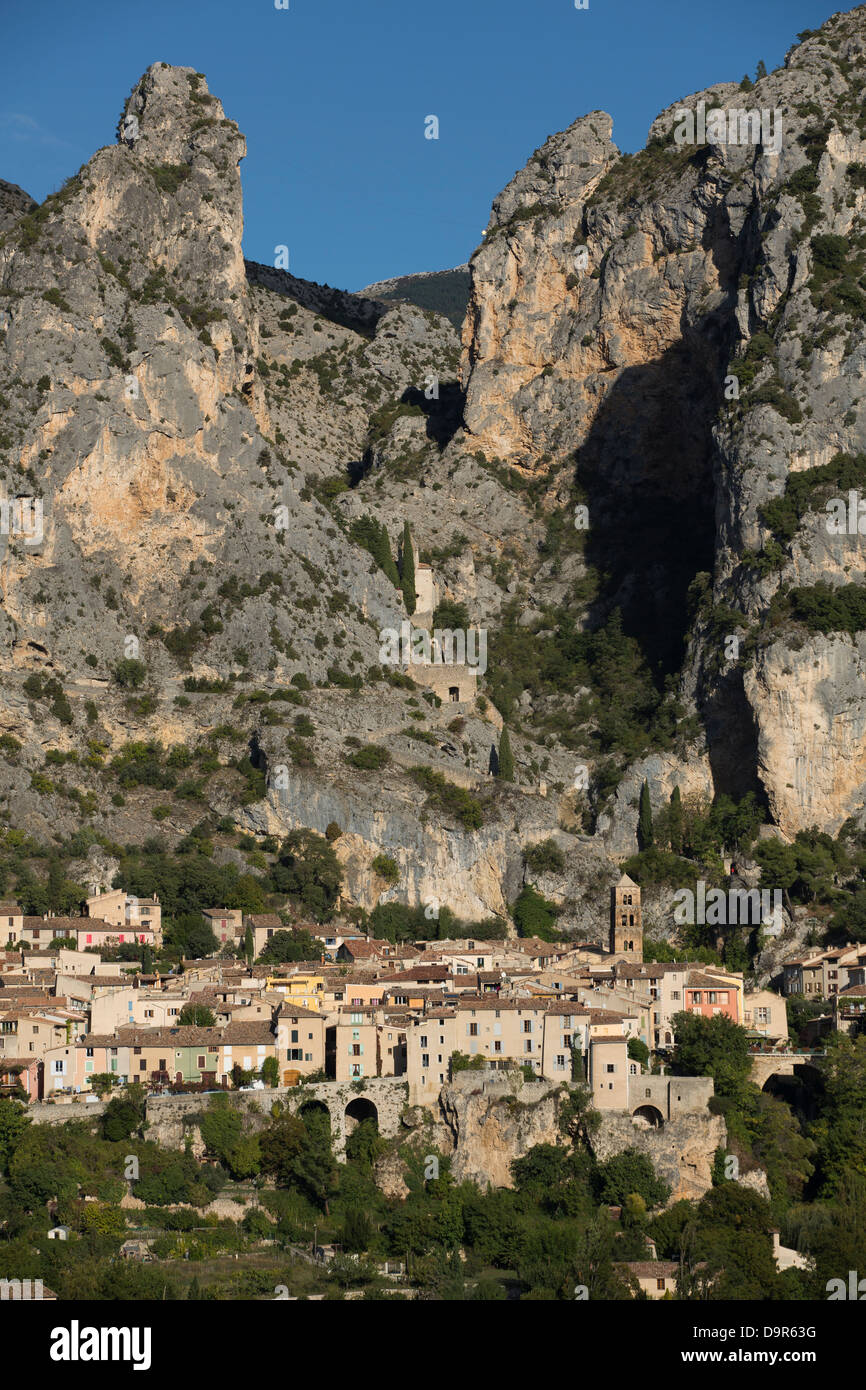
x=506, y=758
x=407, y=571
x=249, y=944
x=385, y=558
x=761, y=71
x=676, y=821
x=645, y=819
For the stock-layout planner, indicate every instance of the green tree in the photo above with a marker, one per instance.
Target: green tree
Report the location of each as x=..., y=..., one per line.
x=715, y=1047
x=249, y=945
x=270, y=1071
x=534, y=915
x=645, y=819
x=256, y=1224
x=505, y=764
x=407, y=571
x=13, y=1122
x=130, y=673
x=192, y=935
x=103, y=1082
x=220, y=1127
x=357, y=1232
x=541, y=1169
x=385, y=556
x=761, y=70
x=198, y=1015
x=290, y=945
x=298, y=1153
x=629, y=1172
x=839, y=1131
x=675, y=822
x=309, y=871
x=638, y=1051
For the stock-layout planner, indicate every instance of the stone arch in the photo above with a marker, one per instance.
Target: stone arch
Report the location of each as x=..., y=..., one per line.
x=650, y=1114
x=361, y=1108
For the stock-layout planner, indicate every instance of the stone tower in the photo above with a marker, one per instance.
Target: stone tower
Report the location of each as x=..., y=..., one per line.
x=626, y=930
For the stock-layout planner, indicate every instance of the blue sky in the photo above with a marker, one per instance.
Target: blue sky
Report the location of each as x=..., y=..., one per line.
x=332, y=96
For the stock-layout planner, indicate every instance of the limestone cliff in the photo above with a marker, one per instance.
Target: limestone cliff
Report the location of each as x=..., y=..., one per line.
x=701, y=262
x=491, y=1123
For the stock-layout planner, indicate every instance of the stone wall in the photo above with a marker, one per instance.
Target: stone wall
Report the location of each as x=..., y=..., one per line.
x=171, y=1118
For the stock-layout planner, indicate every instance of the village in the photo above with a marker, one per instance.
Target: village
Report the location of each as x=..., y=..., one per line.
x=72, y=1025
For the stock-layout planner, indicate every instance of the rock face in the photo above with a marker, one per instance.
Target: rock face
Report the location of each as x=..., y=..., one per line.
x=681, y=1151
x=702, y=261
x=671, y=340
x=491, y=1123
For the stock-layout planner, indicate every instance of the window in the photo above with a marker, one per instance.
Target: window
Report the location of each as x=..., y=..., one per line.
x=610, y=1067
x=660, y=1285
x=200, y=1063
x=294, y=1035
x=527, y=1025
x=425, y=1060
x=473, y=1030
x=422, y=1040
x=560, y=1062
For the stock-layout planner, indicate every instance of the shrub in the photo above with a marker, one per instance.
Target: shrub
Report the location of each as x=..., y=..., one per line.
x=448, y=798
x=544, y=858
x=130, y=673
x=534, y=915
x=386, y=867
x=370, y=758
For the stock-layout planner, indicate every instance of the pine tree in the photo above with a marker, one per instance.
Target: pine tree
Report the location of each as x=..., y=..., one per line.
x=194, y=1290
x=676, y=821
x=645, y=819
x=506, y=758
x=407, y=571
x=747, y=84
x=761, y=71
